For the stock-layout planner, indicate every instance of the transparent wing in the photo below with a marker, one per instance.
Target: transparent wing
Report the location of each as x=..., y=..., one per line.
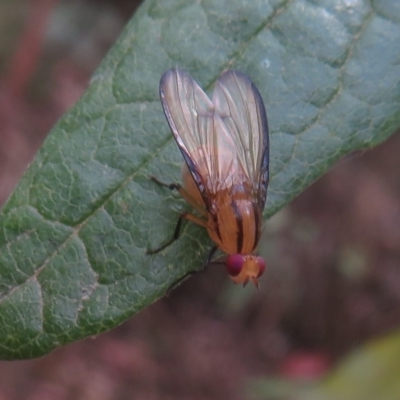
x=202, y=137
x=239, y=104
x=224, y=140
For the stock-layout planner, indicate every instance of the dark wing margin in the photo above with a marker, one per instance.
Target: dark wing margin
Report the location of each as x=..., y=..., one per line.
x=189, y=113
x=239, y=103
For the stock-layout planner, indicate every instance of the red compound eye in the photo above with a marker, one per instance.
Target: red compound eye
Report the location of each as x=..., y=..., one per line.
x=261, y=266
x=234, y=264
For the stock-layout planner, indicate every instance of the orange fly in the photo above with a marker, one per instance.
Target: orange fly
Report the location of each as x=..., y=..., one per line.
x=225, y=143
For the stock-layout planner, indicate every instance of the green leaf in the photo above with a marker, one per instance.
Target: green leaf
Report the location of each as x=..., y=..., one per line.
x=369, y=373
x=74, y=234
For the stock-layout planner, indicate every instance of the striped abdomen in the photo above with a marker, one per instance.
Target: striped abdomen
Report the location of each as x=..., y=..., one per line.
x=234, y=223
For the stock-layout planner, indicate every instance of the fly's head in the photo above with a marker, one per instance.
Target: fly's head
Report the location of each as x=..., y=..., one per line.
x=245, y=268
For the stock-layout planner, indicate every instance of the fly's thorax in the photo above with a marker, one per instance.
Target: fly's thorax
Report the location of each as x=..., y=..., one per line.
x=203, y=160
x=234, y=223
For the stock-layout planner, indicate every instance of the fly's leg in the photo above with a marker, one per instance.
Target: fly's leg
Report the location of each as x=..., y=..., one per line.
x=204, y=267
x=175, y=237
x=209, y=256
x=185, y=215
x=170, y=186
x=189, y=217
x=183, y=192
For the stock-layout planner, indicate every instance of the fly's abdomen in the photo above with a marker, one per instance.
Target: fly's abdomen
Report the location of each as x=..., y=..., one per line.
x=235, y=226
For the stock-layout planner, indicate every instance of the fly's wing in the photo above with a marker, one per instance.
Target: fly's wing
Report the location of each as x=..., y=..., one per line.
x=199, y=131
x=239, y=104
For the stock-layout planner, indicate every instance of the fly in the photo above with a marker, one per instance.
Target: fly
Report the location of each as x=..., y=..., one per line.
x=225, y=144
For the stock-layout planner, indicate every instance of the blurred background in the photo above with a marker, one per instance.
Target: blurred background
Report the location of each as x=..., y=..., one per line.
x=333, y=279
